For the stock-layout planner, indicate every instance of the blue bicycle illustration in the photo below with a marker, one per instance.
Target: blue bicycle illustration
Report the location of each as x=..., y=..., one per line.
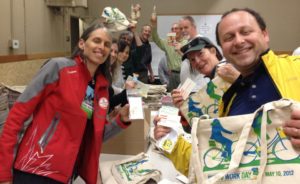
x=197, y=109
x=280, y=147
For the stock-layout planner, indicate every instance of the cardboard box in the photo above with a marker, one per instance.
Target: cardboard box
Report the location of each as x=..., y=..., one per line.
x=131, y=141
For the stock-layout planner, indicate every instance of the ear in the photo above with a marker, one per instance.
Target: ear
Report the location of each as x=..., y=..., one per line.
x=266, y=36
x=81, y=44
x=213, y=50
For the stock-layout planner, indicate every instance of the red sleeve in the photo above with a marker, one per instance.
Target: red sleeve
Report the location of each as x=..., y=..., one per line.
x=185, y=124
x=23, y=108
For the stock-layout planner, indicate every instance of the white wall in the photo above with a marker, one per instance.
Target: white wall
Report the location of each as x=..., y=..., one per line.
x=206, y=25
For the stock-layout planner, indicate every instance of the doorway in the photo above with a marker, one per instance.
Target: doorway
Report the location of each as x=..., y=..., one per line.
x=75, y=33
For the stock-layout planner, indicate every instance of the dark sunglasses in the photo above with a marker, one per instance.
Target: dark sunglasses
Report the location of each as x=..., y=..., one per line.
x=195, y=42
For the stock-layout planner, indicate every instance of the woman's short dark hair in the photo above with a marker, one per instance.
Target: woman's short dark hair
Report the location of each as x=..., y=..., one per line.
x=122, y=44
x=103, y=68
x=114, y=41
x=260, y=21
x=126, y=34
x=113, y=67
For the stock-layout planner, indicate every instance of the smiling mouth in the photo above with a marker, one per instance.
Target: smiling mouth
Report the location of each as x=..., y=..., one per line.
x=99, y=54
x=200, y=68
x=242, y=51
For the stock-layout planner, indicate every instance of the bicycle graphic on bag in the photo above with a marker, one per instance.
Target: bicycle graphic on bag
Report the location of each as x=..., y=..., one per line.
x=196, y=109
x=219, y=155
x=216, y=155
x=279, y=147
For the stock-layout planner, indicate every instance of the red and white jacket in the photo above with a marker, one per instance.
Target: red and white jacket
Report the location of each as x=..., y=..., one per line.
x=51, y=143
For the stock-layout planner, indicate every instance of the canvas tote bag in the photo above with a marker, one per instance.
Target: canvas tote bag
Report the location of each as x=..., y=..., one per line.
x=133, y=170
x=248, y=148
x=206, y=100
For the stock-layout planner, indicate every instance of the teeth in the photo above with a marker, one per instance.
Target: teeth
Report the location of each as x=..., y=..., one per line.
x=99, y=53
x=242, y=51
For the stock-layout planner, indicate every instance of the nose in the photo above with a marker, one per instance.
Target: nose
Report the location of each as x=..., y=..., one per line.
x=196, y=62
x=101, y=45
x=239, y=39
x=113, y=54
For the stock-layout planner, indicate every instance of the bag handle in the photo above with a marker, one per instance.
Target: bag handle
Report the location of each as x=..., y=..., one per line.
x=264, y=144
x=241, y=144
x=236, y=156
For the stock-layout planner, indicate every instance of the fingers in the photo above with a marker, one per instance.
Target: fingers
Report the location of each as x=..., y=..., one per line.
x=151, y=78
x=175, y=91
x=124, y=113
x=125, y=109
x=293, y=123
x=160, y=131
x=132, y=27
x=292, y=132
x=130, y=84
x=153, y=19
x=223, y=70
x=177, y=97
x=156, y=119
x=296, y=115
x=113, y=114
x=295, y=142
x=228, y=72
x=292, y=128
x=137, y=7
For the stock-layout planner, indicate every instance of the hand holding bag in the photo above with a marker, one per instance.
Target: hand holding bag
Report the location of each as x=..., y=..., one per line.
x=248, y=148
x=206, y=100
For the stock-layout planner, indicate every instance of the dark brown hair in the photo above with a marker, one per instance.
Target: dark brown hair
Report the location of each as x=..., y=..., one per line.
x=103, y=68
x=260, y=21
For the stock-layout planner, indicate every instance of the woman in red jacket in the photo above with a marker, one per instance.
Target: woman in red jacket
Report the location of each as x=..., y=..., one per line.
x=66, y=104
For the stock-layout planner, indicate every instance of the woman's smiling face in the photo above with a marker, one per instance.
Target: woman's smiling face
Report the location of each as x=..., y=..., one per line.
x=97, y=47
x=123, y=56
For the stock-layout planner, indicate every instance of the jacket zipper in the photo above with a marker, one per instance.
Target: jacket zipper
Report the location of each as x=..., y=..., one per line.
x=44, y=140
x=272, y=80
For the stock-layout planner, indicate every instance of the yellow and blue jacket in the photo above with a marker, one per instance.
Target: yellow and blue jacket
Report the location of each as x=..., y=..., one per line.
x=284, y=71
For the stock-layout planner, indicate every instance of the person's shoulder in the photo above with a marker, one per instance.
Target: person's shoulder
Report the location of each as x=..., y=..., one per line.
x=65, y=60
x=296, y=52
x=59, y=62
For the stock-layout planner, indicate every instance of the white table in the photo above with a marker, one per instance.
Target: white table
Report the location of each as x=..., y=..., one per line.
x=159, y=161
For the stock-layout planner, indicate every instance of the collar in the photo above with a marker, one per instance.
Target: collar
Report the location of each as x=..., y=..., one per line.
x=264, y=53
x=80, y=62
x=144, y=41
x=242, y=82
x=101, y=81
x=212, y=73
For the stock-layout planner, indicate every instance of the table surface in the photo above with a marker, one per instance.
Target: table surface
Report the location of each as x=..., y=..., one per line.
x=158, y=161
